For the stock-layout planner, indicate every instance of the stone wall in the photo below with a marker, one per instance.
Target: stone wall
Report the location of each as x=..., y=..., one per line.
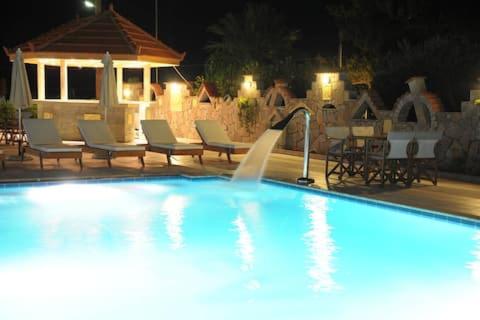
x=121, y=118
x=459, y=150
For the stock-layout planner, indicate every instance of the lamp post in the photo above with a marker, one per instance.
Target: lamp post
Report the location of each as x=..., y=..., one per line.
x=89, y=4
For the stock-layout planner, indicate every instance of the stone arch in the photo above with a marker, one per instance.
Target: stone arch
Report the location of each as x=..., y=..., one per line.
x=367, y=107
x=279, y=95
x=417, y=109
x=207, y=93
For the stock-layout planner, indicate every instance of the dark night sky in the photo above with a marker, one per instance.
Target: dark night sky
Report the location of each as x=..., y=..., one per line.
x=182, y=24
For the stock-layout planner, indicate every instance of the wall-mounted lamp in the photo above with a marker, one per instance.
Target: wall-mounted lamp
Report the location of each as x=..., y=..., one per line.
x=325, y=79
x=127, y=93
x=247, y=82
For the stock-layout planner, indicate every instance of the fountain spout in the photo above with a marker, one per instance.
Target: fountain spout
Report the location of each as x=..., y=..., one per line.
x=304, y=180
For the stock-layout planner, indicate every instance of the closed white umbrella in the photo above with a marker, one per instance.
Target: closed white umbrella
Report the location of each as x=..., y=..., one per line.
x=20, y=95
x=108, y=92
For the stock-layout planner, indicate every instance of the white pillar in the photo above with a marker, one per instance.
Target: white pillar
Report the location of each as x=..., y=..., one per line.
x=146, y=83
x=41, y=81
x=63, y=80
x=120, y=83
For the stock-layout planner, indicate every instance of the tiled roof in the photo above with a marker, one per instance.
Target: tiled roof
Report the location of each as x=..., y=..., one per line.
x=92, y=36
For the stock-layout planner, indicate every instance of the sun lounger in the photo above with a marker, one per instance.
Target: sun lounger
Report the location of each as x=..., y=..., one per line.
x=161, y=139
x=99, y=138
x=214, y=138
x=44, y=141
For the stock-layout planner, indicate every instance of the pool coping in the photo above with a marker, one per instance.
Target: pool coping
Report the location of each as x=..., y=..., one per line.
x=445, y=216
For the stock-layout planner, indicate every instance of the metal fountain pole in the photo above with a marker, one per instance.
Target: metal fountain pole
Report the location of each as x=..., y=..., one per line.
x=304, y=180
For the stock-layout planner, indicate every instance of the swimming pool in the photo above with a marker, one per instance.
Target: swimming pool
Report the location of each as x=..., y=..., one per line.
x=177, y=248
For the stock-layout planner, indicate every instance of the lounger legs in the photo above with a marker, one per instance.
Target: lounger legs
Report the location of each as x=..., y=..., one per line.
x=109, y=159
x=80, y=163
x=142, y=161
x=169, y=161
x=229, y=157
x=200, y=159
x=41, y=161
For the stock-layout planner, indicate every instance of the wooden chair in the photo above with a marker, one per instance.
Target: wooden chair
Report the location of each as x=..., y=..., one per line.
x=214, y=138
x=393, y=161
x=425, y=158
x=358, y=143
x=161, y=139
x=338, y=151
x=44, y=141
x=99, y=138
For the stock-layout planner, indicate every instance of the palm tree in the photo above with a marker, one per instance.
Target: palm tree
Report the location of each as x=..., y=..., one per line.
x=254, y=41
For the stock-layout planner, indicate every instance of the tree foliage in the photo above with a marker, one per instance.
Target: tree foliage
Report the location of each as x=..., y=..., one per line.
x=450, y=64
x=256, y=41
x=392, y=40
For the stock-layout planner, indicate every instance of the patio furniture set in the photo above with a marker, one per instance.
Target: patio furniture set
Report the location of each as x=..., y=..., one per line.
x=395, y=157
x=45, y=142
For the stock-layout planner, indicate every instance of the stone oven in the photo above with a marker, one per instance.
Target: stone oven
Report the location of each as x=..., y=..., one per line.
x=416, y=108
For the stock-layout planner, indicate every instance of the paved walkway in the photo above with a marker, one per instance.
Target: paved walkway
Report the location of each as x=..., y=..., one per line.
x=452, y=196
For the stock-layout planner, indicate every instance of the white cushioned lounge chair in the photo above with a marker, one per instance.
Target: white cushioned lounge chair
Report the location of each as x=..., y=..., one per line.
x=99, y=138
x=160, y=139
x=45, y=142
x=214, y=138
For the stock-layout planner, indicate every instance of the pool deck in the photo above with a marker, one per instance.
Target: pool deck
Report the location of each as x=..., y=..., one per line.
x=457, y=195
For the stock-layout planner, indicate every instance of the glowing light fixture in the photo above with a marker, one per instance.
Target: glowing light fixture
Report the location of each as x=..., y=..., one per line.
x=127, y=93
x=247, y=82
x=325, y=77
x=89, y=4
x=176, y=89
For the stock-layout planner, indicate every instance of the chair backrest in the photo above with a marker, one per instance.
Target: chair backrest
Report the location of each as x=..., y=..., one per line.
x=41, y=131
x=426, y=142
x=339, y=133
x=158, y=131
x=211, y=131
x=399, y=141
x=95, y=132
x=368, y=131
x=387, y=126
x=365, y=131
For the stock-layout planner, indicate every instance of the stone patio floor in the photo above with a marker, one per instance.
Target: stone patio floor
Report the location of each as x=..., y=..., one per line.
x=451, y=195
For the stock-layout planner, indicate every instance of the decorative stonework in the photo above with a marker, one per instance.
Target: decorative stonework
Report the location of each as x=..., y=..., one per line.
x=418, y=107
x=367, y=106
x=279, y=95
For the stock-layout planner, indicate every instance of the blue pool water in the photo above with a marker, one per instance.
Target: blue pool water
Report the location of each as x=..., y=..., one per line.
x=209, y=249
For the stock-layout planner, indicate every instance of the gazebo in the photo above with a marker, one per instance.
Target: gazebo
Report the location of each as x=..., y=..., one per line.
x=82, y=43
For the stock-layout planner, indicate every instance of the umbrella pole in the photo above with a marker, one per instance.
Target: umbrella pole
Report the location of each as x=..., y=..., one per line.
x=105, y=117
x=20, y=136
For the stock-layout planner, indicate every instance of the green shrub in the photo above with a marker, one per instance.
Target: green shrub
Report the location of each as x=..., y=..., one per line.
x=248, y=113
